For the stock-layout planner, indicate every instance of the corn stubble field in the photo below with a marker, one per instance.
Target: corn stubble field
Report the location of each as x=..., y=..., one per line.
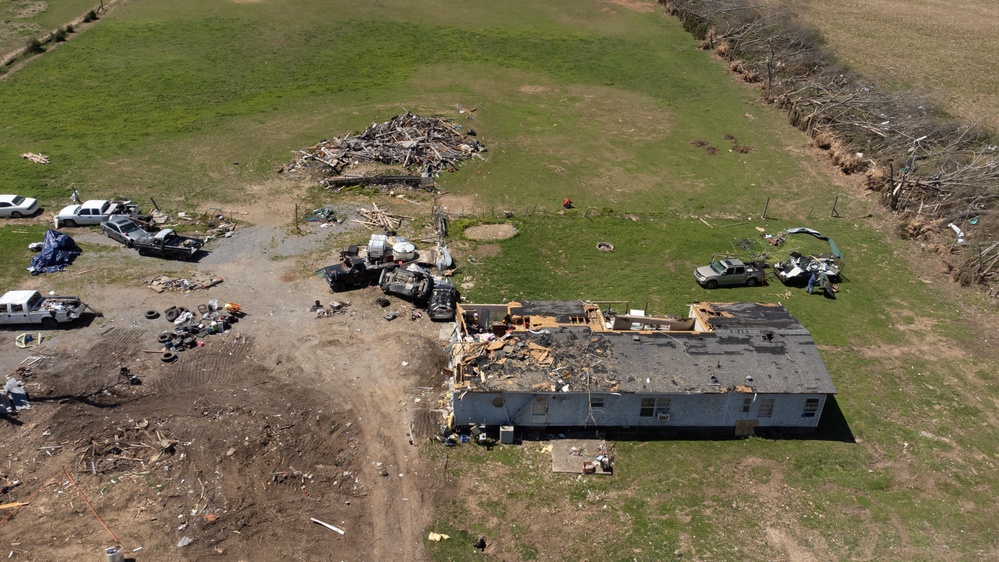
x=611, y=104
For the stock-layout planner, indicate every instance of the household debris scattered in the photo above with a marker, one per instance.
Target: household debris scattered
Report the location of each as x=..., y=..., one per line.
x=14, y=397
x=190, y=328
x=427, y=145
x=582, y=456
x=196, y=281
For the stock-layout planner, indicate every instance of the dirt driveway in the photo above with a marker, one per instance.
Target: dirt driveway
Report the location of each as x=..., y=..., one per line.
x=234, y=447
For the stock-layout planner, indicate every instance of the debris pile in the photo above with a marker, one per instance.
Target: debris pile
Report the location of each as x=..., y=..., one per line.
x=131, y=448
x=427, y=145
x=196, y=281
x=379, y=219
x=36, y=158
x=191, y=327
x=551, y=362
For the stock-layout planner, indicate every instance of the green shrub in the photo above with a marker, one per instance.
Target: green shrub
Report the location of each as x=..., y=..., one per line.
x=60, y=35
x=69, y=28
x=34, y=46
x=91, y=16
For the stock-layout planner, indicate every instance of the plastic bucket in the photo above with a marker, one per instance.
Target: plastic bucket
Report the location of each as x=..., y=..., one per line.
x=114, y=554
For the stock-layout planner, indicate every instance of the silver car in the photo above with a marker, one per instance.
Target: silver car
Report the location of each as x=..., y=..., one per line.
x=16, y=206
x=123, y=229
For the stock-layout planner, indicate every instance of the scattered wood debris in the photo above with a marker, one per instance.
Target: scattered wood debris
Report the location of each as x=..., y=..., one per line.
x=545, y=362
x=130, y=448
x=380, y=219
x=425, y=145
x=36, y=158
x=197, y=281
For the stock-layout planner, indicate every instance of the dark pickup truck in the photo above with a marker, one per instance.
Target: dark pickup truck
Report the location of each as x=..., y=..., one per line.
x=168, y=244
x=353, y=272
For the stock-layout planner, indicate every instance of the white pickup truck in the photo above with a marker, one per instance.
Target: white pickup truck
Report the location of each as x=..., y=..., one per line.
x=92, y=212
x=30, y=307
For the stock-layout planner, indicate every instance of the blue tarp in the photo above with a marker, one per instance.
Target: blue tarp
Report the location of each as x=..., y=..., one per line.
x=58, y=251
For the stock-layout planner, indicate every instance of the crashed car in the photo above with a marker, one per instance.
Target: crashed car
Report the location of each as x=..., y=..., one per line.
x=798, y=268
x=411, y=285
x=443, y=302
x=123, y=229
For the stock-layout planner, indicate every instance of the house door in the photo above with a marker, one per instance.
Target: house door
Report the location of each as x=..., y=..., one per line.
x=539, y=409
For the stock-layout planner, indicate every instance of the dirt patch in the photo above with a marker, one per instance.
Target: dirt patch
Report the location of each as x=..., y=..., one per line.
x=238, y=443
x=635, y=5
x=534, y=89
x=490, y=231
x=488, y=250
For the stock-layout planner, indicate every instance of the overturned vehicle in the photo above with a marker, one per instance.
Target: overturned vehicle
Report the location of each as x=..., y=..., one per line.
x=411, y=284
x=798, y=268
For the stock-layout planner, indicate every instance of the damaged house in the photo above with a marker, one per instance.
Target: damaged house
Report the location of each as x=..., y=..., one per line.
x=729, y=367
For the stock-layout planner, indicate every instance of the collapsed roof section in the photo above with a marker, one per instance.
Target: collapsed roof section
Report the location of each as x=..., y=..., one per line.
x=574, y=346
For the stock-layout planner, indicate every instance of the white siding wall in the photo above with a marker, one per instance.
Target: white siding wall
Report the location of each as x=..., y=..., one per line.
x=624, y=410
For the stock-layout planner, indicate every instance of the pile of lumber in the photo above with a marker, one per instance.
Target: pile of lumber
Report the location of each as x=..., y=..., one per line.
x=379, y=219
x=424, y=145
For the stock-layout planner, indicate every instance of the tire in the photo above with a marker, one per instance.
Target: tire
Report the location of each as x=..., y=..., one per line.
x=168, y=357
x=752, y=282
x=69, y=223
x=711, y=284
x=163, y=337
x=15, y=215
x=152, y=315
x=143, y=252
x=171, y=314
x=50, y=323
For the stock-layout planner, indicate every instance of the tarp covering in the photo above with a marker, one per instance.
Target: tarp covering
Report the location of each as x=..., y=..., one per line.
x=833, y=248
x=58, y=251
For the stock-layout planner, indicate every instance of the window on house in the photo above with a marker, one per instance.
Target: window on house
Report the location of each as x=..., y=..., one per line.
x=747, y=405
x=648, y=408
x=811, y=407
x=540, y=406
x=655, y=408
x=662, y=409
x=596, y=401
x=766, y=407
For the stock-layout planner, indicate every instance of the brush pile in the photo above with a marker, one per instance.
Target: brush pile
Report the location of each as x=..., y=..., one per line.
x=423, y=145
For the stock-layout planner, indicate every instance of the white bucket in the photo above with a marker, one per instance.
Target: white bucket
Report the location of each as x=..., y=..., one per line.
x=114, y=554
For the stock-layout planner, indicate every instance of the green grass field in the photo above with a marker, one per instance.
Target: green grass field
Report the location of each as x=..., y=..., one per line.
x=600, y=103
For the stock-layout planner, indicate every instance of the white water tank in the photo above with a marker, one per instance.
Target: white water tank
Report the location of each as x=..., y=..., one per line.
x=376, y=246
x=403, y=251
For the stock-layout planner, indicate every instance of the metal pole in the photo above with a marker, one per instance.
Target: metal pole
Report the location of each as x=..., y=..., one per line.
x=833, y=212
x=765, y=209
